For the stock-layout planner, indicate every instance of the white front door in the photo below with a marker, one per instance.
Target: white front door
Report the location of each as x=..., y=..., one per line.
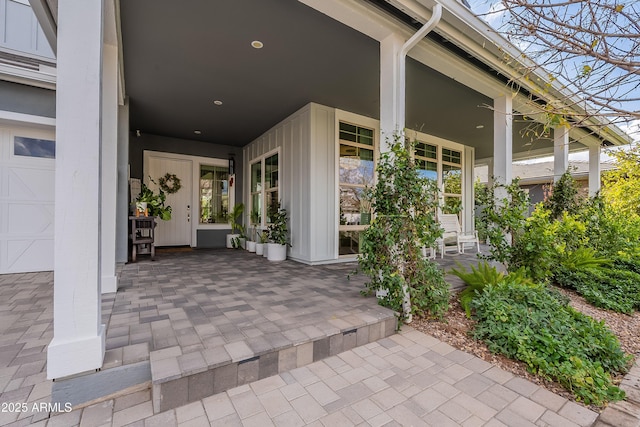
x=177, y=231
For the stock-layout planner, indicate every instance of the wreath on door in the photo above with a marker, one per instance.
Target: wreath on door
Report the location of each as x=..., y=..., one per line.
x=170, y=183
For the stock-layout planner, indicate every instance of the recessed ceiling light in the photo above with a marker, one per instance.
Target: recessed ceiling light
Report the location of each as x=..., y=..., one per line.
x=217, y=102
x=257, y=44
x=197, y=132
x=480, y=127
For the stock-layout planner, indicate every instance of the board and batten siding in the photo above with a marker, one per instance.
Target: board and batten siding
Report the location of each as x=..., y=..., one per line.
x=306, y=145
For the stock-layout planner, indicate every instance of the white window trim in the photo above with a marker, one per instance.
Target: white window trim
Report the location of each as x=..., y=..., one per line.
x=362, y=121
x=28, y=133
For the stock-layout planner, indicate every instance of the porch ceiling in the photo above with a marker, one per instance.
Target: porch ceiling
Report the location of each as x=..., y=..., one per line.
x=179, y=57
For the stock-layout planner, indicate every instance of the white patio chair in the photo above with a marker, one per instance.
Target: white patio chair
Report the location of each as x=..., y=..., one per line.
x=453, y=236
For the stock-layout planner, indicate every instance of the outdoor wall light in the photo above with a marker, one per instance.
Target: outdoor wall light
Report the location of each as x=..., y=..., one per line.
x=232, y=165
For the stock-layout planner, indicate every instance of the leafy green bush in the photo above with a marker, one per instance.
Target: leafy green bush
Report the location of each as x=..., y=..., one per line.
x=536, y=326
x=615, y=288
x=534, y=250
x=482, y=276
x=503, y=220
x=564, y=197
x=608, y=232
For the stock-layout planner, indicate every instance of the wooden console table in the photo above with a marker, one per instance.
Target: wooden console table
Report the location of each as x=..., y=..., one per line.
x=142, y=236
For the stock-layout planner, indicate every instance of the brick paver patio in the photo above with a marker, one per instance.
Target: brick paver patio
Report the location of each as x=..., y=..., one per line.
x=406, y=379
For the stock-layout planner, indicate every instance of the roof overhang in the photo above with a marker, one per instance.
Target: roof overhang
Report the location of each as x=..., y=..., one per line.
x=477, y=62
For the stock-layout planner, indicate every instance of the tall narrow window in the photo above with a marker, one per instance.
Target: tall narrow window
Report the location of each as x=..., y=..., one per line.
x=214, y=194
x=271, y=184
x=356, y=172
x=452, y=180
x=256, y=193
x=265, y=185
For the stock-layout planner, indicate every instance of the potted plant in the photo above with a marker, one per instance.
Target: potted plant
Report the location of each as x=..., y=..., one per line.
x=261, y=244
x=153, y=204
x=278, y=234
x=233, y=239
x=251, y=242
x=253, y=231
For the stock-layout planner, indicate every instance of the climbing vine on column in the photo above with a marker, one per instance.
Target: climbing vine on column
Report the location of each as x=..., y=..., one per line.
x=404, y=205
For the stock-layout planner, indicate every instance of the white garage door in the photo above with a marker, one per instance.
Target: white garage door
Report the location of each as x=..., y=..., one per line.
x=27, y=172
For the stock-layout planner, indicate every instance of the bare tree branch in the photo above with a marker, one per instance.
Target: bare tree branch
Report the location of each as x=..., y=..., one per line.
x=588, y=48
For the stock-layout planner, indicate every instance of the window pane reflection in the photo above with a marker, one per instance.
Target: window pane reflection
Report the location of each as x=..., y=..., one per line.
x=214, y=194
x=452, y=179
x=32, y=147
x=356, y=165
x=354, y=208
x=349, y=242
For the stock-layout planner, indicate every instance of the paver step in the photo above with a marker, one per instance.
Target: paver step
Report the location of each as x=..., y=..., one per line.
x=178, y=378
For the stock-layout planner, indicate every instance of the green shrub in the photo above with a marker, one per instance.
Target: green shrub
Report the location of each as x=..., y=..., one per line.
x=534, y=250
x=564, y=197
x=584, y=258
x=536, y=326
x=610, y=288
x=502, y=220
x=480, y=277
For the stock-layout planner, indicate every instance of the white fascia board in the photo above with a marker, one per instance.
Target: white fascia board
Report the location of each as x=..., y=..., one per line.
x=27, y=77
x=20, y=119
x=356, y=14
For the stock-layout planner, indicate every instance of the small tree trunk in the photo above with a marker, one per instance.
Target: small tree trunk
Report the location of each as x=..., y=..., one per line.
x=406, y=304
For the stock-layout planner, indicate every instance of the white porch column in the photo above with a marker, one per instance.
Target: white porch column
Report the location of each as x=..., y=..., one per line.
x=560, y=152
x=122, y=212
x=502, y=142
x=468, y=214
x=78, y=343
x=594, y=170
x=109, y=166
x=390, y=120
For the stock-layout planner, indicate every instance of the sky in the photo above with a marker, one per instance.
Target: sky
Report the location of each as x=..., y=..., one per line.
x=495, y=16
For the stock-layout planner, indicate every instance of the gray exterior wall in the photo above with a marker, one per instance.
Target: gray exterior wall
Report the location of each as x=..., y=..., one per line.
x=25, y=99
x=181, y=146
x=212, y=239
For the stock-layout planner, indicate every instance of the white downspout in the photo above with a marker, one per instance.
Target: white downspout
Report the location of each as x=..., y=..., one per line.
x=400, y=106
x=409, y=44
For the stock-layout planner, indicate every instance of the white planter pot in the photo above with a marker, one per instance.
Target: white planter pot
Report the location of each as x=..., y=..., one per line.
x=141, y=206
x=277, y=252
x=242, y=242
x=265, y=250
x=230, y=238
x=251, y=246
x=259, y=248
